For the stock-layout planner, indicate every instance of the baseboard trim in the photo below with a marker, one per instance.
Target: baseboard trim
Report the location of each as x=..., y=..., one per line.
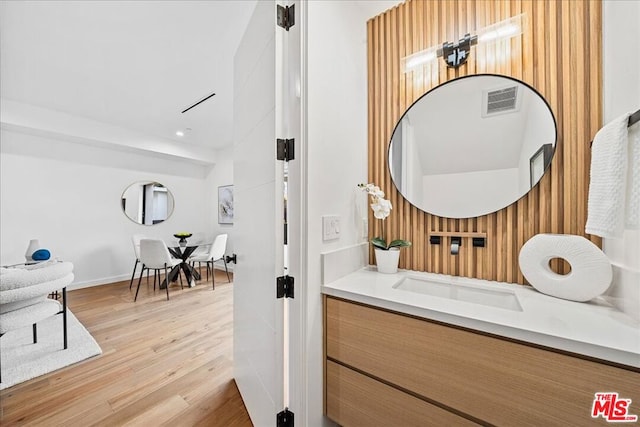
x=121, y=278
x=98, y=282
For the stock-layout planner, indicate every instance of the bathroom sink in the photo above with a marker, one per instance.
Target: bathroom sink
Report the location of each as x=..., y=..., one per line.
x=476, y=295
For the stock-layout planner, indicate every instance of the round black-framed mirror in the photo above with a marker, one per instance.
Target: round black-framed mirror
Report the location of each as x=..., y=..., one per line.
x=147, y=202
x=472, y=146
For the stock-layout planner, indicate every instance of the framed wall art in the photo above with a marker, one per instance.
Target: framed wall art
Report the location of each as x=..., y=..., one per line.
x=225, y=204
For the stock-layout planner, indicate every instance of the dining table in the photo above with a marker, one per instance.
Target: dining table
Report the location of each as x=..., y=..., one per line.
x=183, y=252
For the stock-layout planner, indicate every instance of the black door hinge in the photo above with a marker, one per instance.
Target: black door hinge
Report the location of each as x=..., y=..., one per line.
x=284, y=418
x=284, y=287
x=285, y=149
x=286, y=16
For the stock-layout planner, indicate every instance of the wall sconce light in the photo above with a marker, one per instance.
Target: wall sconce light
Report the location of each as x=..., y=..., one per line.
x=455, y=54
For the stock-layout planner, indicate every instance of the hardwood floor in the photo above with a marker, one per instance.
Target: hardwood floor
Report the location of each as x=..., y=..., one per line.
x=163, y=363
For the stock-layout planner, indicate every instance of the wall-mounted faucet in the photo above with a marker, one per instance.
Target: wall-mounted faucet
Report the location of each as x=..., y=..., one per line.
x=456, y=242
x=478, y=239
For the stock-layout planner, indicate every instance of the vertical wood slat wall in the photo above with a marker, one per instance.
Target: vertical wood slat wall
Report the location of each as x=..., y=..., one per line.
x=559, y=54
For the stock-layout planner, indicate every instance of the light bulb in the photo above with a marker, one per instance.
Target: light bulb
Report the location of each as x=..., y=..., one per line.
x=419, y=59
x=499, y=33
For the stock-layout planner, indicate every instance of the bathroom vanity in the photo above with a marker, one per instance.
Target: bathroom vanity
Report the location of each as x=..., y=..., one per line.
x=426, y=349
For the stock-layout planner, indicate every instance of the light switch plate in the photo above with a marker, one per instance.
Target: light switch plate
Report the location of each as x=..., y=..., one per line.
x=330, y=227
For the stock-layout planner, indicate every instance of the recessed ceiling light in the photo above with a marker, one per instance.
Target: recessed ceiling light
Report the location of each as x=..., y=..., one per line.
x=179, y=133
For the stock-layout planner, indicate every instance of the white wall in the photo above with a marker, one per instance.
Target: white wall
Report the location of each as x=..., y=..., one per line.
x=21, y=116
x=412, y=165
x=535, y=135
x=67, y=195
x=476, y=192
x=221, y=174
x=336, y=139
x=621, y=92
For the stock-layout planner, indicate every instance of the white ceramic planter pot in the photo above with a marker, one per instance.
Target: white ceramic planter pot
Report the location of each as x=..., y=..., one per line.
x=387, y=261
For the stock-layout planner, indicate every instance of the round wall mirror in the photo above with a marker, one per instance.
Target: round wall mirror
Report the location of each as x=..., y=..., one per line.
x=147, y=202
x=472, y=146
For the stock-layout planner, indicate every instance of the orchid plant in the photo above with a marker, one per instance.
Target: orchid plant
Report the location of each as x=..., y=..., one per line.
x=381, y=209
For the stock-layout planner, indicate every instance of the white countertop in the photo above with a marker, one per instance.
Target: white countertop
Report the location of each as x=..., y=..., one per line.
x=594, y=328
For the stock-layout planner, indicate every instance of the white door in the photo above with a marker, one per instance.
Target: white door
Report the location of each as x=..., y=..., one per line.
x=295, y=312
x=258, y=222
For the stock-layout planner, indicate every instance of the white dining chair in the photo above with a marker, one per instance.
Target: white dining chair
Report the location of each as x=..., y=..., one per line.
x=154, y=255
x=136, y=249
x=200, y=238
x=215, y=253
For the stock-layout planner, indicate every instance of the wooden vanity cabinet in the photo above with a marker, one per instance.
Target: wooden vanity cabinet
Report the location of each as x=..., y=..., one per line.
x=385, y=368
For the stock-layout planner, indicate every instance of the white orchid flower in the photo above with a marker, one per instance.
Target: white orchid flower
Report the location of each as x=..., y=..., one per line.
x=381, y=208
x=372, y=190
x=375, y=191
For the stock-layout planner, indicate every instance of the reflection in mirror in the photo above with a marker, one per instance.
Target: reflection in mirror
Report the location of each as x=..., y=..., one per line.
x=472, y=146
x=147, y=202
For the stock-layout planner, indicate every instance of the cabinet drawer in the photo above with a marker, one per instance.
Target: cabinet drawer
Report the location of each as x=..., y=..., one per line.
x=354, y=399
x=490, y=379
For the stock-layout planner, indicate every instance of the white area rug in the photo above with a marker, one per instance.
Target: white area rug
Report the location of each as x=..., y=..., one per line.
x=22, y=360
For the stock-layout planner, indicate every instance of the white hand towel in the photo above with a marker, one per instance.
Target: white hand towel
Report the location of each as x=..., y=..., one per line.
x=632, y=216
x=607, y=187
